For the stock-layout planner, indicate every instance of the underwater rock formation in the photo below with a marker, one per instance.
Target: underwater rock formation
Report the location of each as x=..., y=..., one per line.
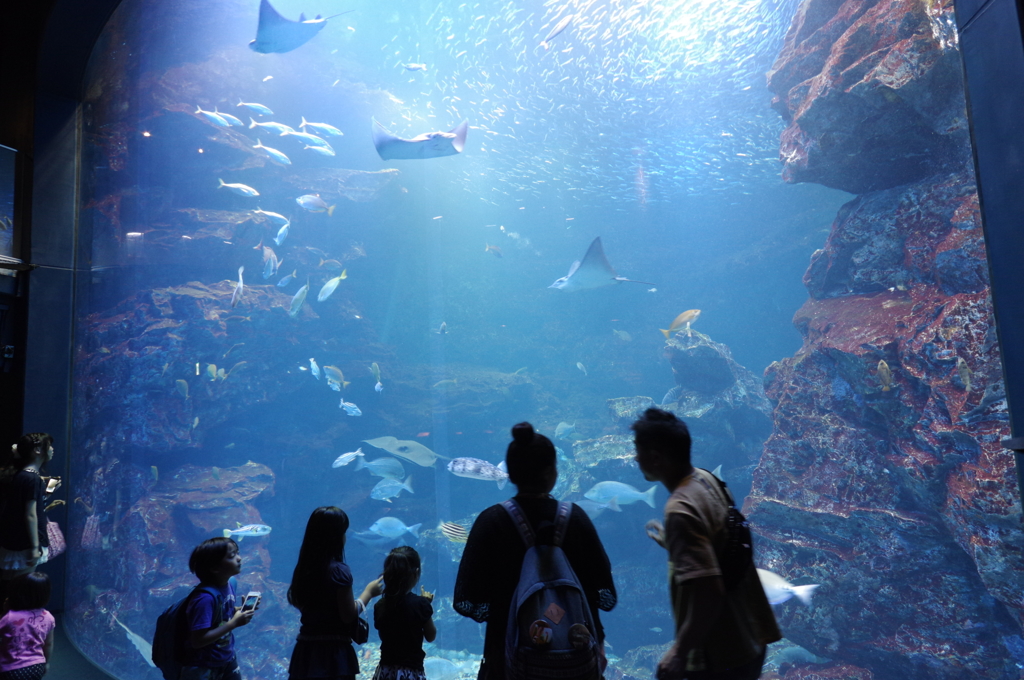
x=723, y=404
x=872, y=93
x=153, y=524
x=884, y=479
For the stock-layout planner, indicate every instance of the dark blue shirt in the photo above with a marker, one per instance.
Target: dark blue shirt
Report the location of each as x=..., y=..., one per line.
x=201, y=615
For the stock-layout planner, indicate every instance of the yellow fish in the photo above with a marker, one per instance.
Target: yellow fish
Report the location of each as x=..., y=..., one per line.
x=155, y=473
x=375, y=369
x=681, y=323
x=965, y=373
x=884, y=375
x=195, y=423
x=211, y=370
x=182, y=388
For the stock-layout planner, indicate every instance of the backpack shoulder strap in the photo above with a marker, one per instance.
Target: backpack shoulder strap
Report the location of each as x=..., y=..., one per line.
x=722, y=486
x=562, y=521
x=519, y=519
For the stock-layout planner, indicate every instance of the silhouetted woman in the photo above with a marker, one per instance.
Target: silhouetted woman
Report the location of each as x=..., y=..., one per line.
x=322, y=590
x=489, y=570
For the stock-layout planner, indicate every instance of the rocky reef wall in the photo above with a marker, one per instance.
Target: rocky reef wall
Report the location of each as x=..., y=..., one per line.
x=884, y=479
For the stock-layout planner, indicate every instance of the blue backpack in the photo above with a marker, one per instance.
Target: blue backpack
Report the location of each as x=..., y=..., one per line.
x=171, y=633
x=551, y=633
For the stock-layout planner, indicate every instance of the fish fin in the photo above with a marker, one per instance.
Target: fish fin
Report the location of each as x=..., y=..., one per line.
x=408, y=484
x=346, y=383
x=804, y=593
x=227, y=533
x=544, y=44
x=502, y=482
x=613, y=504
x=221, y=182
x=415, y=530
x=460, y=131
x=649, y=496
x=623, y=279
x=330, y=210
x=252, y=122
x=666, y=333
x=304, y=123
x=503, y=467
x=302, y=17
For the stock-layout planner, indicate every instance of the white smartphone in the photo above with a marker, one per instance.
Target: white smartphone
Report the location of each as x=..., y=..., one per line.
x=252, y=600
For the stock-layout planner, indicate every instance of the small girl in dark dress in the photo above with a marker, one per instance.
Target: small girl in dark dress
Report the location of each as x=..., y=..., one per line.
x=322, y=590
x=402, y=618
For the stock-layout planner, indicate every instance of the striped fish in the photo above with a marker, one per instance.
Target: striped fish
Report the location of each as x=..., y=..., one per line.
x=456, y=533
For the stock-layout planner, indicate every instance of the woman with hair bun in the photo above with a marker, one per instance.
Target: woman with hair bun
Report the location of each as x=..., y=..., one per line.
x=493, y=557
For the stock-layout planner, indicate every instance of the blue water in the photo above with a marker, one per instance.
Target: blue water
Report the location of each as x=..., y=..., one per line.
x=648, y=126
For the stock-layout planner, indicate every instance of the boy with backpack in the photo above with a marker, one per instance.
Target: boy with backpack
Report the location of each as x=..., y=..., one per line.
x=723, y=620
x=194, y=639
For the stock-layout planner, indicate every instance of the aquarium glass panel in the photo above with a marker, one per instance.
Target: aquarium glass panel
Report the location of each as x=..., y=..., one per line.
x=338, y=251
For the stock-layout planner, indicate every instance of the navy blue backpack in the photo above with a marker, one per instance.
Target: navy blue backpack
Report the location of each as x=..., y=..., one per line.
x=551, y=633
x=171, y=633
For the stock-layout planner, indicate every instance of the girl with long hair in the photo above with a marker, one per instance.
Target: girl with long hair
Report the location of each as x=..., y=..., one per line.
x=321, y=589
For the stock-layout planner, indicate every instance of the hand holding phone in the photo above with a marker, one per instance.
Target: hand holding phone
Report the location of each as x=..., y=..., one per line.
x=52, y=484
x=252, y=601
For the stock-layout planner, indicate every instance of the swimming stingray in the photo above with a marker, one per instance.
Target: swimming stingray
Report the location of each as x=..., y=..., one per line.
x=277, y=34
x=427, y=145
x=410, y=450
x=595, y=271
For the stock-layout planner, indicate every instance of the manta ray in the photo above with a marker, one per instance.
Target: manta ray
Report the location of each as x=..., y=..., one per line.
x=427, y=145
x=594, y=271
x=277, y=34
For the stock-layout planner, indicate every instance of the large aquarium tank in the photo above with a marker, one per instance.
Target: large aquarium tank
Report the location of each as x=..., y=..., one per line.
x=337, y=249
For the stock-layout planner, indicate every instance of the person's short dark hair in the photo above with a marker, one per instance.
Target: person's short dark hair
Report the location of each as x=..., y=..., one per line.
x=27, y=444
x=208, y=555
x=28, y=591
x=661, y=430
x=528, y=456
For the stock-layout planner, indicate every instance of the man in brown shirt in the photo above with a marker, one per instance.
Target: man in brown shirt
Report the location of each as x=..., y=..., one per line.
x=720, y=634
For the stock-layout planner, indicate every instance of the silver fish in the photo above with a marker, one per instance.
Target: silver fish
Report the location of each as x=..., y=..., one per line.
x=386, y=467
x=237, y=295
x=282, y=234
x=346, y=458
x=322, y=150
x=214, y=118
x=323, y=127
x=297, y=301
x=310, y=139
x=387, y=489
x=240, y=189
x=593, y=508
x=248, y=530
x=474, y=468
x=258, y=108
x=779, y=589
x=274, y=217
x=279, y=128
x=314, y=203
x=287, y=279
x=392, y=527
x=228, y=117
x=624, y=494
x=583, y=368
x=414, y=67
x=559, y=27
x=273, y=153
x=330, y=287
x=314, y=368
x=350, y=408
x=564, y=430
